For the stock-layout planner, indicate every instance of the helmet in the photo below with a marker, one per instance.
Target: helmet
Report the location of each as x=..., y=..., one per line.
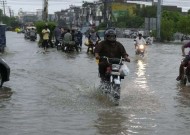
x=140, y=35
x=110, y=35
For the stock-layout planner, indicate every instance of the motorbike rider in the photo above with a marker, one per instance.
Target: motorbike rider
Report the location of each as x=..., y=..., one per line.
x=185, y=62
x=79, y=36
x=67, y=37
x=33, y=32
x=110, y=48
x=57, y=35
x=139, y=40
x=93, y=38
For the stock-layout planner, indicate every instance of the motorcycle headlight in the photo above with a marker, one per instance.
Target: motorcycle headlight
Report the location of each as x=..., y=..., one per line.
x=141, y=46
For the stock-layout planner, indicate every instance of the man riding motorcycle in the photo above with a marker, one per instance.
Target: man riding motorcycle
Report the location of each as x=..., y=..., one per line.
x=110, y=48
x=93, y=38
x=33, y=34
x=139, y=41
x=185, y=62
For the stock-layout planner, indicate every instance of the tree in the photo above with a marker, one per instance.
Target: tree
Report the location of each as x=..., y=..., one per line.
x=129, y=21
x=188, y=12
x=148, y=11
x=183, y=25
x=167, y=29
x=1, y=14
x=40, y=26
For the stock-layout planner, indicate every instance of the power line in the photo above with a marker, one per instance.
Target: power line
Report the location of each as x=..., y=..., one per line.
x=3, y=2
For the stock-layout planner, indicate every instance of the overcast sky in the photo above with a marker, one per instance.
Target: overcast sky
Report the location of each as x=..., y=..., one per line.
x=57, y=5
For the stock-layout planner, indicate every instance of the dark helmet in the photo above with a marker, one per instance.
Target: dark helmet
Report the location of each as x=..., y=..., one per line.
x=140, y=35
x=110, y=35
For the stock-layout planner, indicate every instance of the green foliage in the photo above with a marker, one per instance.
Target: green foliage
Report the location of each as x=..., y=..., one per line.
x=40, y=25
x=128, y=21
x=167, y=29
x=102, y=26
x=188, y=12
x=148, y=11
x=9, y=21
x=1, y=14
x=183, y=25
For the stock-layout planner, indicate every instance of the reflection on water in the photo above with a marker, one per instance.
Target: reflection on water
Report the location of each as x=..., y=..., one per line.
x=183, y=96
x=111, y=122
x=5, y=92
x=141, y=80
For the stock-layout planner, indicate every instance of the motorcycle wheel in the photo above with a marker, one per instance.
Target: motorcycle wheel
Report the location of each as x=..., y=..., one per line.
x=184, y=80
x=116, y=91
x=79, y=49
x=141, y=54
x=58, y=47
x=1, y=79
x=2, y=49
x=65, y=49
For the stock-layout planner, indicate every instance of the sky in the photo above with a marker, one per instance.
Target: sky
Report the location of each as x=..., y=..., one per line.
x=58, y=5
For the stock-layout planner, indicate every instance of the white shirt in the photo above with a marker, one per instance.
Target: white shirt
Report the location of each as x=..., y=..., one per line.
x=140, y=41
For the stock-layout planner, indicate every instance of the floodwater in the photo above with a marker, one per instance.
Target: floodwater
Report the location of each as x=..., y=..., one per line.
x=56, y=93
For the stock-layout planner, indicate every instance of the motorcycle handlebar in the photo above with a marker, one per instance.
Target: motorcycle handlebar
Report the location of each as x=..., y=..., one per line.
x=113, y=59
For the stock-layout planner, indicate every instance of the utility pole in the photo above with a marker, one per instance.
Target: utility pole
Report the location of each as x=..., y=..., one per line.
x=10, y=12
x=105, y=11
x=158, y=19
x=45, y=10
x=3, y=2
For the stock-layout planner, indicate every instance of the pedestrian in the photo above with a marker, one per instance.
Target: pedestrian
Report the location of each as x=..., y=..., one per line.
x=57, y=35
x=46, y=34
x=79, y=36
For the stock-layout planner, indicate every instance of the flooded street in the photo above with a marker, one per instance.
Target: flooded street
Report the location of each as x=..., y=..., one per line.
x=56, y=93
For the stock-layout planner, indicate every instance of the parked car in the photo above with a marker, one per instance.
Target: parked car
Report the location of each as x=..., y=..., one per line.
x=126, y=33
x=4, y=72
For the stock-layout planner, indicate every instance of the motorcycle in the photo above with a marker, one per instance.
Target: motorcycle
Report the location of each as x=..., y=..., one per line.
x=114, y=73
x=2, y=37
x=140, y=50
x=186, y=75
x=91, y=46
x=60, y=44
x=69, y=47
x=4, y=72
x=149, y=41
x=33, y=38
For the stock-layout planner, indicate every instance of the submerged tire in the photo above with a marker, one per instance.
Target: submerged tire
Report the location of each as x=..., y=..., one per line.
x=1, y=79
x=184, y=81
x=116, y=89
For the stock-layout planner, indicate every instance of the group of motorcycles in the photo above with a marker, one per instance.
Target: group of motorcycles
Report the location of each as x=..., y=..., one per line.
x=68, y=47
x=75, y=45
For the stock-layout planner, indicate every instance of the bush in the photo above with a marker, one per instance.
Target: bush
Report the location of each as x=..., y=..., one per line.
x=167, y=30
x=40, y=26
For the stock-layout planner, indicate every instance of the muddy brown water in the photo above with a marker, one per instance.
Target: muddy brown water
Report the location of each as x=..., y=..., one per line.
x=56, y=93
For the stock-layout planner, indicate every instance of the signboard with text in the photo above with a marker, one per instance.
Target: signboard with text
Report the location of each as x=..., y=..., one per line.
x=120, y=9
